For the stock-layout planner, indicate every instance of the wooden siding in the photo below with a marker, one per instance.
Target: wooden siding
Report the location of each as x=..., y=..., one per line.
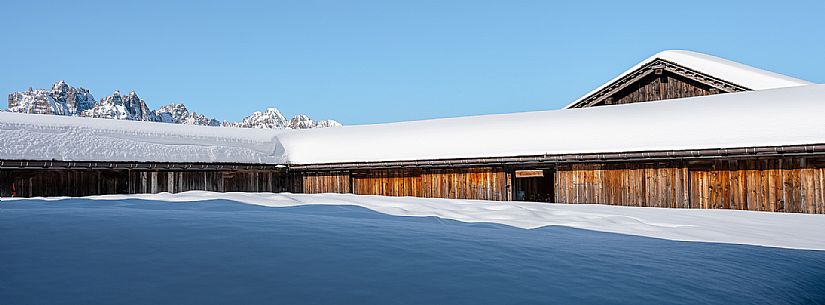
x=325, y=182
x=627, y=184
x=777, y=185
x=794, y=185
x=388, y=183
x=30, y=183
x=766, y=184
x=486, y=183
x=217, y=181
x=660, y=87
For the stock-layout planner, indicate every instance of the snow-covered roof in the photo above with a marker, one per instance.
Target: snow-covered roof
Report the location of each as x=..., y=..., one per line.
x=786, y=116
x=731, y=71
x=775, y=117
x=54, y=137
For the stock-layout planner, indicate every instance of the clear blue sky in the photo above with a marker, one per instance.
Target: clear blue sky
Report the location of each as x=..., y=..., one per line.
x=382, y=61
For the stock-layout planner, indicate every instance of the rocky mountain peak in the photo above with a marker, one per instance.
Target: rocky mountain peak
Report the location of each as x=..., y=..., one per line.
x=60, y=87
x=118, y=107
x=63, y=99
x=273, y=118
x=301, y=122
x=269, y=118
x=178, y=114
x=327, y=123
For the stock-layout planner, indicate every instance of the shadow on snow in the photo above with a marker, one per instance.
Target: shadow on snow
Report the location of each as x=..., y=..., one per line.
x=79, y=251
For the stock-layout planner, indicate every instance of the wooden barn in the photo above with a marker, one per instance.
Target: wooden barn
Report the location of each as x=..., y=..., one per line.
x=663, y=135
x=645, y=167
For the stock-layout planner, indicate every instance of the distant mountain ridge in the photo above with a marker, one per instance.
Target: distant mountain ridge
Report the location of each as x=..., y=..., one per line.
x=63, y=99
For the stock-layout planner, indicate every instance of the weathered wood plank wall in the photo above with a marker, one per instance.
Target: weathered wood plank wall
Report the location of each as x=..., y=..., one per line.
x=388, y=182
x=459, y=183
x=218, y=181
x=325, y=182
x=778, y=185
x=485, y=183
x=30, y=183
x=628, y=184
x=768, y=184
x=660, y=87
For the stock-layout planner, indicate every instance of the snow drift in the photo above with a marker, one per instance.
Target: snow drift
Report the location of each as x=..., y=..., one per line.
x=798, y=231
x=131, y=251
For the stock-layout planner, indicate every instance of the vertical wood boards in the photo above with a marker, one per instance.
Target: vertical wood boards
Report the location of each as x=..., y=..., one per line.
x=776, y=185
x=628, y=184
x=217, y=181
x=660, y=87
x=791, y=184
x=458, y=183
x=30, y=183
x=794, y=185
x=325, y=182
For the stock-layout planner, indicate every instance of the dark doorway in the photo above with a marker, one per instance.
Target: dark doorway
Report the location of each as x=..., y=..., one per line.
x=533, y=185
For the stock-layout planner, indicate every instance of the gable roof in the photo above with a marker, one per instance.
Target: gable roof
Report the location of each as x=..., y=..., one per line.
x=730, y=76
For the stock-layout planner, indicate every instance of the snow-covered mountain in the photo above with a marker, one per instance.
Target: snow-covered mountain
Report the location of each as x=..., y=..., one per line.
x=273, y=118
x=63, y=99
x=178, y=114
x=327, y=123
x=117, y=106
x=301, y=122
x=269, y=118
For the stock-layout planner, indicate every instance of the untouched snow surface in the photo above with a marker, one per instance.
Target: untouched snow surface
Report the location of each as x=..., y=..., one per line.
x=132, y=251
x=751, y=77
x=787, y=116
x=796, y=231
x=50, y=137
x=737, y=73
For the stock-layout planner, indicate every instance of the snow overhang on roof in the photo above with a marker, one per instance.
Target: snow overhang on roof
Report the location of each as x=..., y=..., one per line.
x=776, y=117
x=765, y=118
x=739, y=75
x=63, y=138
